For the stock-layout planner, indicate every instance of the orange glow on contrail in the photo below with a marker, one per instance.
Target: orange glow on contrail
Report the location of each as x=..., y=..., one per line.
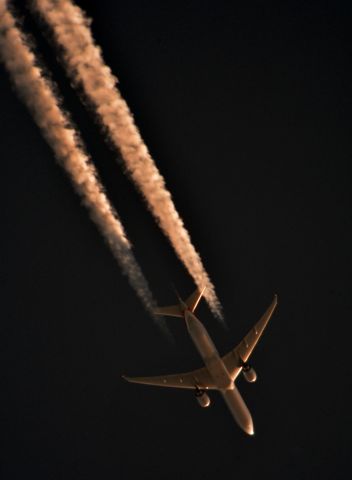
x=40, y=97
x=85, y=65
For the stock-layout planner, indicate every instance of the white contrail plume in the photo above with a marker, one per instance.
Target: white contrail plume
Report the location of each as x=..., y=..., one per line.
x=38, y=95
x=86, y=67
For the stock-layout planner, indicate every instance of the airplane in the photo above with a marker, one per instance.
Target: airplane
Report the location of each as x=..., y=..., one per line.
x=219, y=373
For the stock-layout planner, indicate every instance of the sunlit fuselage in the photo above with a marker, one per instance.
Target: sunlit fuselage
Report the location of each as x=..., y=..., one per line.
x=208, y=352
x=218, y=371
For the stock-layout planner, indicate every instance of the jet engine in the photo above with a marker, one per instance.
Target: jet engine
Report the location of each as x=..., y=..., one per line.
x=202, y=398
x=249, y=373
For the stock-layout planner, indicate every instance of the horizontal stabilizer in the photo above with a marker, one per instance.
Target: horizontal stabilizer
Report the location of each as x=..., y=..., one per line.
x=193, y=300
x=171, y=311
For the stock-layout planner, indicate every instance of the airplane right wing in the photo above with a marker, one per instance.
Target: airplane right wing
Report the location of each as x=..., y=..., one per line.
x=235, y=358
x=197, y=378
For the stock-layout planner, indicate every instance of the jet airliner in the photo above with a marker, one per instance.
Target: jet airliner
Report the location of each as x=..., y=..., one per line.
x=219, y=373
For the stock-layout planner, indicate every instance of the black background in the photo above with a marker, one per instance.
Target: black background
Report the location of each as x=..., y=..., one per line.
x=246, y=110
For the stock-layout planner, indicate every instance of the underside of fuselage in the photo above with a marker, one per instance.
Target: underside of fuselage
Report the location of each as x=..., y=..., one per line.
x=238, y=409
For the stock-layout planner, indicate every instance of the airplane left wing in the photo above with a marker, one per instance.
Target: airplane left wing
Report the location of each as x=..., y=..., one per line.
x=197, y=378
x=235, y=358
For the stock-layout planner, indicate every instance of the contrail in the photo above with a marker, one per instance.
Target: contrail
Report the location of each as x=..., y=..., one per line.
x=86, y=67
x=40, y=97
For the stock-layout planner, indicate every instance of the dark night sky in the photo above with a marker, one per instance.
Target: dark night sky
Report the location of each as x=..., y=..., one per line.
x=247, y=112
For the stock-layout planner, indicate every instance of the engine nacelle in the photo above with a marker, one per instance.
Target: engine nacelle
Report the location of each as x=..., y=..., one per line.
x=202, y=398
x=249, y=373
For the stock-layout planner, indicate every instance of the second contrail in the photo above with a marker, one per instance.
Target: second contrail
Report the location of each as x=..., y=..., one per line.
x=38, y=95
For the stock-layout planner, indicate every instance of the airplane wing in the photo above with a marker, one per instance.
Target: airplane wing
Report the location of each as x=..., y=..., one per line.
x=197, y=378
x=235, y=358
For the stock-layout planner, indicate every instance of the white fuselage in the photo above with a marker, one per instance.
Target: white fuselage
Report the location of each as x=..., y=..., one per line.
x=218, y=371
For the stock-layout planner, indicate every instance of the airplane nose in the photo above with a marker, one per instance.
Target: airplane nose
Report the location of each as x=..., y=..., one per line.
x=248, y=426
x=249, y=429
x=239, y=410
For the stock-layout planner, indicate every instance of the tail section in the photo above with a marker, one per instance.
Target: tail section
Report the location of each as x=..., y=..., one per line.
x=178, y=310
